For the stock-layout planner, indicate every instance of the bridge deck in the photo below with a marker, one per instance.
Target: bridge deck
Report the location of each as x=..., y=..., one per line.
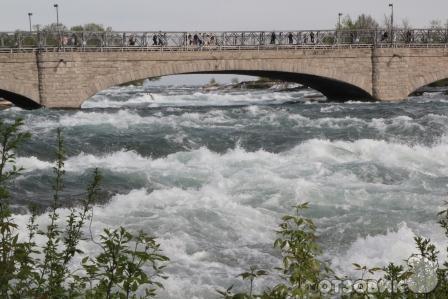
x=217, y=48
x=55, y=40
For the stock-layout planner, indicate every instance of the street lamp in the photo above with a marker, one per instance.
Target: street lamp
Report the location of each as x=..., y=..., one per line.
x=391, y=22
x=57, y=15
x=29, y=18
x=339, y=20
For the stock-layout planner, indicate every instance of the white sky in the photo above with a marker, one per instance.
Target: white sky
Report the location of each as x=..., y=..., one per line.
x=208, y=15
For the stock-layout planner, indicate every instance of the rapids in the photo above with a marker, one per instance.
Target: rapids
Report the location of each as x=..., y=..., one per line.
x=211, y=173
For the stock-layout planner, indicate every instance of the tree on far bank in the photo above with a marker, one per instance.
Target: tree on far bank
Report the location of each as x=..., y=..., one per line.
x=435, y=24
x=91, y=27
x=406, y=25
x=53, y=27
x=438, y=24
x=363, y=21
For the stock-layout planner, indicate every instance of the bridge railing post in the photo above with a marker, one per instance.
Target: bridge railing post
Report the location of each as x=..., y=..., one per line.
x=375, y=38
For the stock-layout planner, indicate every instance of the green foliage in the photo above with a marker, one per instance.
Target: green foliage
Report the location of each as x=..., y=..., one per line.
x=117, y=271
x=362, y=22
x=365, y=270
x=12, y=253
x=300, y=269
x=212, y=82
x=77, y=28
x=251, y=276
x=298, y=244
x=53, y=27
x=31, y=270
x=263, y=80
x=92, y=27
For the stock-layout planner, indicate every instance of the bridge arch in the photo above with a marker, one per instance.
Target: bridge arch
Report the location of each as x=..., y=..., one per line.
x=18, y=99
x=425, y=79
x=334, y=83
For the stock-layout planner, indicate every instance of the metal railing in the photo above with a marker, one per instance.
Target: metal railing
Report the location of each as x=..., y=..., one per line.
x=229, y=40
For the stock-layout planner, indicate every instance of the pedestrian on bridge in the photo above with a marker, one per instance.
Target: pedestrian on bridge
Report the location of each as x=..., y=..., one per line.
x=408, y=36
x=273, y=38
x=132, y=40
x=155, y=40
x=195, y=39
x=312, y=37
x=290, y=38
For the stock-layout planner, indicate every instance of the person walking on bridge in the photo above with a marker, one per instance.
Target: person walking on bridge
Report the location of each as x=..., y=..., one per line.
x=273, y=38
x=132, y=40
x=155, y=41
x=290, y=38
x=195, y=39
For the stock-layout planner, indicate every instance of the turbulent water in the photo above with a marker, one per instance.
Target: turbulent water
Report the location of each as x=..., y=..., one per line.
x=211, y=173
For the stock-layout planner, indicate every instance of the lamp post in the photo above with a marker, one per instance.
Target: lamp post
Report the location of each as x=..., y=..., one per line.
x=339, y=20
x=57, y=15
x=391, y=22
x=29, y=19
x=339, y=28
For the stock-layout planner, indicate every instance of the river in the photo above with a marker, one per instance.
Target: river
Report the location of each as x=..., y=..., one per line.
x=211, y=174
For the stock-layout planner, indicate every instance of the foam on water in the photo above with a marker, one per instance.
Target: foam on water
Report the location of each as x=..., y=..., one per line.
x=215, y=211
x=428, y=160
x=394, y=246
x=215, y=214
x=196, y=98
x=398, y=128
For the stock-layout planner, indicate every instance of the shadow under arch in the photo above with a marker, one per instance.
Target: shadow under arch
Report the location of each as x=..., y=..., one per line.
x=333, y=89
x=19, y=100
x=428, y=85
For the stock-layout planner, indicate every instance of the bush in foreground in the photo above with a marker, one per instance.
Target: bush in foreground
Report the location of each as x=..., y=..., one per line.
x=32, y=269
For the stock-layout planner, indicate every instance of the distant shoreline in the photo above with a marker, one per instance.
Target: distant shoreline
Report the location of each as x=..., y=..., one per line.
x=4, y=104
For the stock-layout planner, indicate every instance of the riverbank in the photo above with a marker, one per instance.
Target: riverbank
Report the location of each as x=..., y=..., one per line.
x=431, y=89
x=265, y=83
x=4, y=104
x=260, y=84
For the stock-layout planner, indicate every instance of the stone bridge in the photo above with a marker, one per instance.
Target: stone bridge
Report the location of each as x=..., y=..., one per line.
x=66, y=78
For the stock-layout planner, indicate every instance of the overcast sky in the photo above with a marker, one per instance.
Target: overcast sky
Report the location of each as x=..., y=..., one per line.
x=207, y=15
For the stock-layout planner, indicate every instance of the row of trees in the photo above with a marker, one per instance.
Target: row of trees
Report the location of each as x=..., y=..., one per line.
x=364, y=21
x=93, y=27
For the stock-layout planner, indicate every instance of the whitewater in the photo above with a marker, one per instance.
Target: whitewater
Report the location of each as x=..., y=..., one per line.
x=210, y=173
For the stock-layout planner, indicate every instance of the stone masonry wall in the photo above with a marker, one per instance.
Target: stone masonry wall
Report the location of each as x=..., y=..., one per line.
x=71, y=78
x=399, y=72
x=67, y=79
x=18, y=74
